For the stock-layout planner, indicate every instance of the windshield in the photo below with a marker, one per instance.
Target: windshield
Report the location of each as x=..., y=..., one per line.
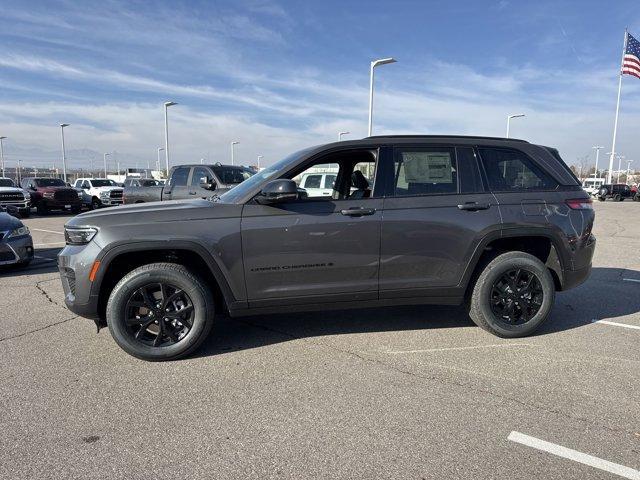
x=103, y=183
x=6, y=182
x=232, y=175
x=150, y=183
x=236, y=193
x=49, y=182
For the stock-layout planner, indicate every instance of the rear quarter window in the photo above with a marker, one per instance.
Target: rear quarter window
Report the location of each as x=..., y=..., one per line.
x=513, y=171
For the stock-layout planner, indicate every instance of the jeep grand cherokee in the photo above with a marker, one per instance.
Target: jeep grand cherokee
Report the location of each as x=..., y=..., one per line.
x=497, y=224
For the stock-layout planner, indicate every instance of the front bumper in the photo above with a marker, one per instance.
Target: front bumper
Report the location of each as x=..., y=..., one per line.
x=16, y=250
x=74, y=263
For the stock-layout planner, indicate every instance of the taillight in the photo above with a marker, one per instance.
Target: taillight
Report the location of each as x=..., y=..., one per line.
x=580, y=204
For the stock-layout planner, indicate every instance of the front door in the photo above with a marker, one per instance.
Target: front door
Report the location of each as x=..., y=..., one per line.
x=177, y=187
x=317, y=249
x=435, y=213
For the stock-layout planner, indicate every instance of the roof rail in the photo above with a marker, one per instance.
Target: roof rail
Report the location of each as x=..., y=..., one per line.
x=479, y=137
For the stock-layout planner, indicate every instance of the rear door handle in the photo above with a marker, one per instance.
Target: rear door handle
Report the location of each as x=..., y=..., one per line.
x=358, y=212
x=473, y=206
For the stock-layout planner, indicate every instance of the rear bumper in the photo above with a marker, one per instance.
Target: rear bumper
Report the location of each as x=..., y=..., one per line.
x=580, y=267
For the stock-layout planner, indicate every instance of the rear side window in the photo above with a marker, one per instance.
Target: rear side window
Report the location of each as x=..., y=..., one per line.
x=424, y=171
x=513, y=171
x=312, y=181
x=179, y=177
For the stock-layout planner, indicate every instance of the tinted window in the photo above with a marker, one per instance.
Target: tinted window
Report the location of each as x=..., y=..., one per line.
x=511, y=170
x=312, y=181
x=424, y=171
x=179, y=177
x=329, y=180
x=6, y=182
x=103, y=183
x=49, y=182
x=232, y=175
x=468, y=169
x=198, y=174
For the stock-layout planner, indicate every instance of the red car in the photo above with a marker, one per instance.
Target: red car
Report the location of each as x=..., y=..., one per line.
x=51, y=194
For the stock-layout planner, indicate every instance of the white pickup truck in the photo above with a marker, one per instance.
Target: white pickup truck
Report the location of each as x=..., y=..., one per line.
x=99, y=192
x=12, y=196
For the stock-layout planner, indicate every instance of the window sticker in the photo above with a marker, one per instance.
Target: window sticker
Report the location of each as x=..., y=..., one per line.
x=427, y=167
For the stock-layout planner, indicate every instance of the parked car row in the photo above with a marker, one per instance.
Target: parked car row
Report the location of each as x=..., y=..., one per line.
x=618, y=192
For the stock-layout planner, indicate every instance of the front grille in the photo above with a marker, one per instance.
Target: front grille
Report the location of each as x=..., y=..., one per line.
x=116, y=194
x=65, y=195
x=11, y=197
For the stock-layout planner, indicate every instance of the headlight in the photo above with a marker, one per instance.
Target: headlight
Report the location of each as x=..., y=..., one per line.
x=18, y=232
x=79, y=235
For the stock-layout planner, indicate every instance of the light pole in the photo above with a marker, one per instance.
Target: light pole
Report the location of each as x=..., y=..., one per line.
x=160, y=149
x=104, y=159
x=166, y=133
x=64, y=159
x=620, y=158
x=597, y=149
x=259, y=157
x=374, y=64
x=233, y=144
x=342, y=133
x=2, y=154
x=509, y=117
x=628, y=170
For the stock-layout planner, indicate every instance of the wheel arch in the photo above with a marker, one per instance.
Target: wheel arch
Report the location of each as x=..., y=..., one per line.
x=120, y=260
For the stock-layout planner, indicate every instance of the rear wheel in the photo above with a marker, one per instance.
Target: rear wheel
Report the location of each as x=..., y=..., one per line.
x=617, y=198
x=602, y=199
x=513, y=295
x=160, y=311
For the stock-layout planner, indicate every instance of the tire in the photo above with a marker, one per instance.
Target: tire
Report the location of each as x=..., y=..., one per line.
x=602, y=199
x=76, y=210
x=26, y=213
x=617, y=198
x=636, y=198
x=175, y=277
x=480, y=304
x=95, y=203
x=42, y=209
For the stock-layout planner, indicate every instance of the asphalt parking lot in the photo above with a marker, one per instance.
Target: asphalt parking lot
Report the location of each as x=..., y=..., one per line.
x=415, y=392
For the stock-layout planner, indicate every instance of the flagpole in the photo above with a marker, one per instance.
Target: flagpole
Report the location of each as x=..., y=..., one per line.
x=615, y=125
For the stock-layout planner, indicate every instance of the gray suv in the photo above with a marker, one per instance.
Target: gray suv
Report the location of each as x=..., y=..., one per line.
x=497, y=224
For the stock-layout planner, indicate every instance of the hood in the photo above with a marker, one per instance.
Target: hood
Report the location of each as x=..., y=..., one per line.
x=53, y=189
x=156, y=212
x=11, y=189
x=7, y=222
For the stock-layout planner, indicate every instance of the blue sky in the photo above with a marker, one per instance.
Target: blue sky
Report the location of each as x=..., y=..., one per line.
x=278, y=76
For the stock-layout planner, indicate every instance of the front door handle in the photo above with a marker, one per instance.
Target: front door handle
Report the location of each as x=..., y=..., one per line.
x=473, y=206
x=192, y=193
x=358, y=212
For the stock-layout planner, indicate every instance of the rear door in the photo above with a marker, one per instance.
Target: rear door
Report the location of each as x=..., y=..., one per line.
x=177, y=187
x=435, y=214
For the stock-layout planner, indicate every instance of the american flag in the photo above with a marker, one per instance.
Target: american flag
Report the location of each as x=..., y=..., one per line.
x=631, y=61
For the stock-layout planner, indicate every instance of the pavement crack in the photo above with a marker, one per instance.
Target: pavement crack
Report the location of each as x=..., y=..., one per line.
x=445, y=381
x=35, y=330
x=46, y=295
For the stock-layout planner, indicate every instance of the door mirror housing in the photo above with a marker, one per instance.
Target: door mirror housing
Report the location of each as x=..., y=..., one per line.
x=207, y=184
x=278, y=191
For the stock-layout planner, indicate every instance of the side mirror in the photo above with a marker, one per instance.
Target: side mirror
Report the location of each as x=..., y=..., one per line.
x=278, y=191
x=207, y=184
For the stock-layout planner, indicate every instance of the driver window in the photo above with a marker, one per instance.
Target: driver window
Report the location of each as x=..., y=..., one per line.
x=342, y=175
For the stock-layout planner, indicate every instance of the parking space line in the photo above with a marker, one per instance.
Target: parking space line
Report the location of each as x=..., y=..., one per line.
x=616, y=324
x=55, y=244
x=447, y=349
x=574, y=455
x=46, y=231
x=631, y=280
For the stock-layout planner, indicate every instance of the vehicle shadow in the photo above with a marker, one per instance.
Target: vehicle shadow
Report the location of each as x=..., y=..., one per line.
x=45, y=261
x=604, y=295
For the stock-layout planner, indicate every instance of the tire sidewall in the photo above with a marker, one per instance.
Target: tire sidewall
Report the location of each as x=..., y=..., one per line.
x=494, y=271
x=116, y=310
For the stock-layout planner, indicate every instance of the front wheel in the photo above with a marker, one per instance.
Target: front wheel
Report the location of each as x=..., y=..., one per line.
x=601, y=199
x=160, y=311
x=512, y=296
x=95, y=203
x=42, y=208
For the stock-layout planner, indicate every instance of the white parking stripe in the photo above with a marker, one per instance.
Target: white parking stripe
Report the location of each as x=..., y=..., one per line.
x=46, y=231
x=56, y=244
x=574, y=455
x=631, y=280
x=615, y=324
x=447, y=349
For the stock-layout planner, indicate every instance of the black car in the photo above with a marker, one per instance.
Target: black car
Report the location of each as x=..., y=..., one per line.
x=618, y=192
x=16, y=245
x=498, y=225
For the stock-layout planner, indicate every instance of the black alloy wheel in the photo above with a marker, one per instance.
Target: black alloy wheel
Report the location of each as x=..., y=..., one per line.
x=159, y=315
x=516, y=296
